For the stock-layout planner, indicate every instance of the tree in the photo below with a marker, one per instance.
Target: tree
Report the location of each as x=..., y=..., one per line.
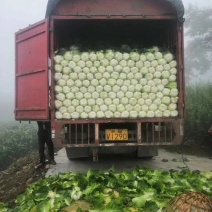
x=198, y=34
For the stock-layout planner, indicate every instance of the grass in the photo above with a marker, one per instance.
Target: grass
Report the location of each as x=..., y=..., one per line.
x=16, y=140
x=198, y=111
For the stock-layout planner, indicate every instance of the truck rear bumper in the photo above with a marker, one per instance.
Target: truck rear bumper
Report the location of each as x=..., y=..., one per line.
x=145, y=151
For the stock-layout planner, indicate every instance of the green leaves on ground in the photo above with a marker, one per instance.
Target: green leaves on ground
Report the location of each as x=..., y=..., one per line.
x=109, y=191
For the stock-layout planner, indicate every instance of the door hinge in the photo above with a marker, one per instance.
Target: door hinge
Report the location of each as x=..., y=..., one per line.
x=49, y=63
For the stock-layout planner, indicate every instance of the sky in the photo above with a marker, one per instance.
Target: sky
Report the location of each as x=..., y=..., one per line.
x=16, y=15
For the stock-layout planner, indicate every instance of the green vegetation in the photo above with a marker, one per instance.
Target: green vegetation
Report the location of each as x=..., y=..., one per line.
x=138, y=190
x=16, y=140
x=198, y=111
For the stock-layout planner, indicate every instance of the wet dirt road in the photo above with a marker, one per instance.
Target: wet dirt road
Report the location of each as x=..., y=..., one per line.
x=164, y=161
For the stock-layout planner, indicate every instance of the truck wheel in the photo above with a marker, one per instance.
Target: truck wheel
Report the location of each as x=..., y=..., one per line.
x=77, y=152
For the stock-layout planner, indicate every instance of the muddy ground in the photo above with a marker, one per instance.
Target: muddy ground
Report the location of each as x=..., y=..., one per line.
x=20, y=174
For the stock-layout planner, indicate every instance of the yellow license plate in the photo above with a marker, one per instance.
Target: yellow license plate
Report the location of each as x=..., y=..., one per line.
x=116, y=135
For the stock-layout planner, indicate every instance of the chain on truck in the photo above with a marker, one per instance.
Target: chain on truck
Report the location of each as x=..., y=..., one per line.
x=98, y=26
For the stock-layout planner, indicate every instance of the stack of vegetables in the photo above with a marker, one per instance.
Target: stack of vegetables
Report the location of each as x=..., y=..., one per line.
x=115, y=84
x=109, y=191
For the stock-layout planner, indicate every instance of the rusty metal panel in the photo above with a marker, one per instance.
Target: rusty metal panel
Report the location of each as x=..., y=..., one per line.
x=181, y=71
x=31, y=79
x=76, y=134
x=118, y=7
x=96, y=133
x=139, y=133
x=126, y=120
x=146, y=134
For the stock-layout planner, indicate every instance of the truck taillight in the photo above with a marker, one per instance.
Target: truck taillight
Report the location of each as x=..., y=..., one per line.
x=53, y=133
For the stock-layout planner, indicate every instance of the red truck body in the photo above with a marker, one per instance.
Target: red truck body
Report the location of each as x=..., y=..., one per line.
x=153, y=21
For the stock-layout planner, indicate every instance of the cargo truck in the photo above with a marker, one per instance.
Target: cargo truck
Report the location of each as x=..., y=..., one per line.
x=146, y=22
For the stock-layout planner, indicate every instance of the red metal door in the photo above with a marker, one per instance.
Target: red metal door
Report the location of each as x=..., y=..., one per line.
x=32, y=84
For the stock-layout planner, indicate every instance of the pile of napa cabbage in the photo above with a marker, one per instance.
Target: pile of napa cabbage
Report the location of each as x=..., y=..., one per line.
x=115, y=84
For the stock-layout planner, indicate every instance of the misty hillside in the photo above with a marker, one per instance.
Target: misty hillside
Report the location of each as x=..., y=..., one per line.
x=7, y=111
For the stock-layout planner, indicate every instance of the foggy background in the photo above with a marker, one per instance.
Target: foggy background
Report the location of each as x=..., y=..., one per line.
x=17, y=15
